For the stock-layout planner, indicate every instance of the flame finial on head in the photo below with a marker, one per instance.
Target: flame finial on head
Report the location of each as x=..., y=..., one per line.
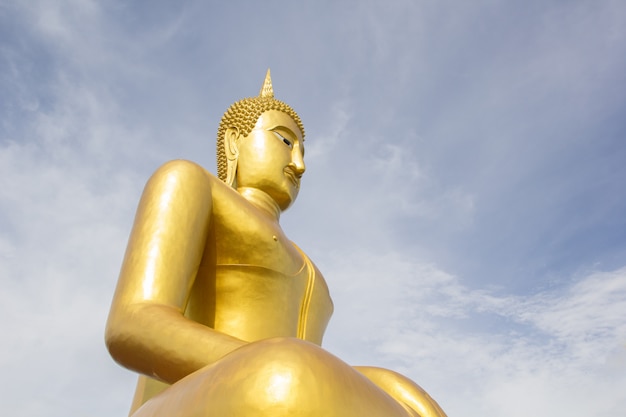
x=267, y=90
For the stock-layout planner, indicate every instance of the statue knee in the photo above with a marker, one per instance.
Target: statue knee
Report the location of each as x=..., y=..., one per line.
x=403, y=390
x=279, y=376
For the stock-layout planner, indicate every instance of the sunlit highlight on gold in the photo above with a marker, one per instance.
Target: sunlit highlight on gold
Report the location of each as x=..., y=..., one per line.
x=279, y=387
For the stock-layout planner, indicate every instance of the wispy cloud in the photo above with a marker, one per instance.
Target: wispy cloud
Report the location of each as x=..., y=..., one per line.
x=529, y=352
x=463, y=194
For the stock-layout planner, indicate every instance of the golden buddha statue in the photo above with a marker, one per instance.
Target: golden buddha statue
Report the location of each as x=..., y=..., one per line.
x=217, y=310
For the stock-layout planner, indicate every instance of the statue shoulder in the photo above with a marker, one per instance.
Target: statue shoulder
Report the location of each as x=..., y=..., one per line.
x=182, y=168
x=183, y=173
x=182, y=184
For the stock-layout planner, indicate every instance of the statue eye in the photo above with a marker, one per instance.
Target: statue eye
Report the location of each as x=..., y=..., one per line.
x=284, y=139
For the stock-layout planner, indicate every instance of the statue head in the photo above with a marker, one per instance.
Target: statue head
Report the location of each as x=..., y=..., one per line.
x=240, y=118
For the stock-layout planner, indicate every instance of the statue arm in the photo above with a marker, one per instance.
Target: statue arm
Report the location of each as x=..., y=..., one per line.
x=146, y=330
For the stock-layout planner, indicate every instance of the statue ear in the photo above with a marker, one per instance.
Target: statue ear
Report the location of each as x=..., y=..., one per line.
x=231, y=147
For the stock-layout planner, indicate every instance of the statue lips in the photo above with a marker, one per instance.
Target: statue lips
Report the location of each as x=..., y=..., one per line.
x=291, y=174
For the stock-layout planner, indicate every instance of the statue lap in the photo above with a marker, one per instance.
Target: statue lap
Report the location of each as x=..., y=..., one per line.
x=278, y=377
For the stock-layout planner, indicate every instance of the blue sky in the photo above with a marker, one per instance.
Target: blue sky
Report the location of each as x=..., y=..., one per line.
x=463, y=196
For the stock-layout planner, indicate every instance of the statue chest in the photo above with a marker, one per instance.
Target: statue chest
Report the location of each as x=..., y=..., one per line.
x=253, y=283
x=245, y=237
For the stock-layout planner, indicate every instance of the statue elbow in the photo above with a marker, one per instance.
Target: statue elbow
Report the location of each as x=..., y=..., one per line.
x=114, y=339
x=119, y=339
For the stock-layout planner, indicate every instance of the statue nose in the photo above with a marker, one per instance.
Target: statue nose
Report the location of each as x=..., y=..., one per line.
x=297, y=162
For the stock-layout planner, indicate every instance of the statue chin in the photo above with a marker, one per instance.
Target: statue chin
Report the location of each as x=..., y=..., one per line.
x=217, y=303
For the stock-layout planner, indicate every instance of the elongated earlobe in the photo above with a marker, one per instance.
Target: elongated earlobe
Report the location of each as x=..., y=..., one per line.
x=231, y=146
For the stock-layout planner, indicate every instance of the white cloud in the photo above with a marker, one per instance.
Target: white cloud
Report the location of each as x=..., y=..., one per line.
x=588, y=318
x=324, y=142
x=540, y=351
x=455, y=116
x=61, y=249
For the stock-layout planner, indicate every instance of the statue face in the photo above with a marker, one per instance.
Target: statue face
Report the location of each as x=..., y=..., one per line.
x=271, y=158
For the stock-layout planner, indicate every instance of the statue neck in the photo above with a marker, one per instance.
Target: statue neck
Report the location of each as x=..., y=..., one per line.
x=261, y=200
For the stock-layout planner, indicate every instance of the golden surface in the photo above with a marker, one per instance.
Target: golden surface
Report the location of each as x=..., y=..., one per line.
x=214, y=299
